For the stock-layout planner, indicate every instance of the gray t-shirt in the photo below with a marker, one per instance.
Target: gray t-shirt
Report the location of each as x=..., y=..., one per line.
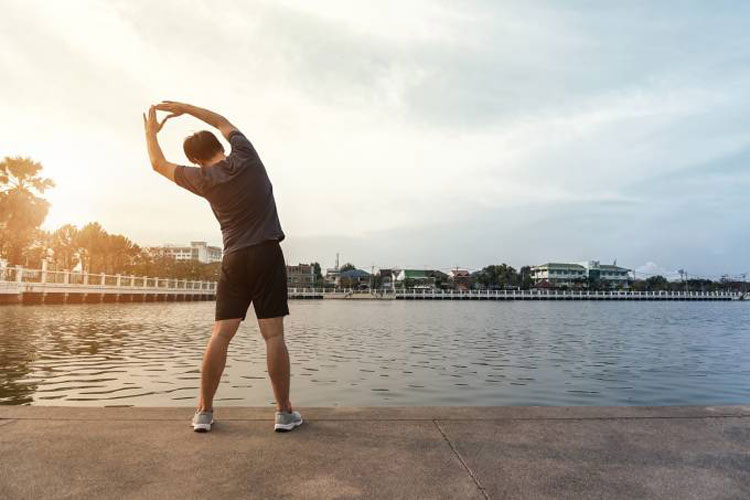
x=240, y=194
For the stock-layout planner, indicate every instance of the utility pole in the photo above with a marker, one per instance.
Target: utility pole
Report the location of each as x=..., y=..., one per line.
x=684, y=276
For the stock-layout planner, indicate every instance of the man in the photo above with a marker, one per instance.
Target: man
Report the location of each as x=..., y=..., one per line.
x=253, y=267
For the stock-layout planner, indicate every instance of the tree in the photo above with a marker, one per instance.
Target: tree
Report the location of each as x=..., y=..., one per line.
x=91, y=243
x=526, y=281
x=347, y=267
x=501, y=276
x=22, y=209
x=65, y=247
x=119, y=252
x=657, y=283
x=38, y=250
x=317, y=272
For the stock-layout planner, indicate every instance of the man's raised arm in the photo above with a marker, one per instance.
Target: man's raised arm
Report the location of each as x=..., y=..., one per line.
x=155, y=154
x=213, y=119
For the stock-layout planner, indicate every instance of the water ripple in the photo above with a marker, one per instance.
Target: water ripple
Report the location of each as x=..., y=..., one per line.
x=380, y=353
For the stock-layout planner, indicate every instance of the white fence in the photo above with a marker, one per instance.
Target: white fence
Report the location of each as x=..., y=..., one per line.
x=17, y=280
x=561, y=295
x=20, y=282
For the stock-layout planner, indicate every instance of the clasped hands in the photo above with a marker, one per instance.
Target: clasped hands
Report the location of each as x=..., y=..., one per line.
x=152, y=125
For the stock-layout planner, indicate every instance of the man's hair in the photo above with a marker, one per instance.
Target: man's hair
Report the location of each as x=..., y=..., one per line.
x=201, y=146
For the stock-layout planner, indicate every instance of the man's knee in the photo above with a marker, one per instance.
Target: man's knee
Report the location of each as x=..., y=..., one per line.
x=225, y=329
x=272, y=328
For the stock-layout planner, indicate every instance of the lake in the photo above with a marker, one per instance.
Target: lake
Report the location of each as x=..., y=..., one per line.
x=374, y=353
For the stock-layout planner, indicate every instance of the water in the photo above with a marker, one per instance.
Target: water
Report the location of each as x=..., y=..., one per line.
x=386, y=353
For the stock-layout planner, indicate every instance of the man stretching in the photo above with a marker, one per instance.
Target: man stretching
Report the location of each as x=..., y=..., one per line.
x=253, y=267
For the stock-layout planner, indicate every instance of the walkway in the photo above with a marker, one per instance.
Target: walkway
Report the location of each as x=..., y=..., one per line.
x=499, y=452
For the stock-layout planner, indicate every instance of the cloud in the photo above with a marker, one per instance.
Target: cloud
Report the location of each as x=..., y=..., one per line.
x=425, y=133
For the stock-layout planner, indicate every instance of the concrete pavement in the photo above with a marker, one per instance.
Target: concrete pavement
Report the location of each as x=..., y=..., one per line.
x=412, y=452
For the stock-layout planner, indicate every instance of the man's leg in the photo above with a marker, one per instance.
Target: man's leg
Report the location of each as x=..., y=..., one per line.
x=214, y=360
x=277, y=358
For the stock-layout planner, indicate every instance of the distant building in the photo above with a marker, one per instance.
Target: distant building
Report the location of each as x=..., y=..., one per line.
x=197, y=250
x=461, y=279
x=354, y=278
x=555, y=275
x=615, y=276
x=388, y=277
x=421, y=278
x=332, y=274
x=579, y=275
x=300, y=276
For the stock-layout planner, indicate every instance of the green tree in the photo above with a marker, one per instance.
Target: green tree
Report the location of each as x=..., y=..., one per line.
x=317, y=272
x=119, y=252
x=91, y=243
x=38, y=250
x=22, y=208
x=65, y=247
x=498, y=276
x=347, y=267
x=656, y=283
x=524, y=277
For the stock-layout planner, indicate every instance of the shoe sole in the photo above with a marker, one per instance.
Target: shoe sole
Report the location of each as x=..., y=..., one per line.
x=287, y=427
x=202, y=427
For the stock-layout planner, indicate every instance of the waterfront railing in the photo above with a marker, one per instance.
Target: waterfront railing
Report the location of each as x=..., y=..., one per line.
x=55, y=283
x=19, y=280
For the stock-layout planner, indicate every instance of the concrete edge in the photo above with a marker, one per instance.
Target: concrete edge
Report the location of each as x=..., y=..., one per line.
x=401, y=413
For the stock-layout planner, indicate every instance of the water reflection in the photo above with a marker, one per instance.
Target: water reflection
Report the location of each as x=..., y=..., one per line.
x=376, y=353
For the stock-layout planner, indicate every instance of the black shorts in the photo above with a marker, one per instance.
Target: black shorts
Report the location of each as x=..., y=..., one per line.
x=254, y=274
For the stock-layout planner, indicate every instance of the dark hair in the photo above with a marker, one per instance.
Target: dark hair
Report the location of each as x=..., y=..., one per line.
x=201, y=146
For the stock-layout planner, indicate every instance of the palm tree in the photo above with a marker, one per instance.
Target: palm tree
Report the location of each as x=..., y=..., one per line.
x=22, y=209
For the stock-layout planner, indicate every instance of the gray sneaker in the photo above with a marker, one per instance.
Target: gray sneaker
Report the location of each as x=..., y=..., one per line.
x=287, y=421
x=202, y=421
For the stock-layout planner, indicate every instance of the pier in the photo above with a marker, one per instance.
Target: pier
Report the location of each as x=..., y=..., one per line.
x=387, y=452
x=42, y=286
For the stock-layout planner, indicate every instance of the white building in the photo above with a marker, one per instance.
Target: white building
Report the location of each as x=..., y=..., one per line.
x=581, y=274
x=557, y=274
x=616, y=276
x=197, y=250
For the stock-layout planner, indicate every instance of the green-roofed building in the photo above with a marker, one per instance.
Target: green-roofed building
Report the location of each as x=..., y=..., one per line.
x=421, y=278
x=579, y=275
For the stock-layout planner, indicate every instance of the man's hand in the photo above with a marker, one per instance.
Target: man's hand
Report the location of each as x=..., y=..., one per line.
x=151, y=124
x=213, y=119
x=174, y=107
x=158, y=162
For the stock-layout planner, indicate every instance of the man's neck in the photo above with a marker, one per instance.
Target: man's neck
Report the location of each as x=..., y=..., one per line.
x=213, y=161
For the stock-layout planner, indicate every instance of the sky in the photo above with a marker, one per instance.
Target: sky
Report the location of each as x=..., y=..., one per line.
x=411, y=134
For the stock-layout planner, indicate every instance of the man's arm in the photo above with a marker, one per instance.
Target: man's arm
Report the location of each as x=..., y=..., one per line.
x=155, y=154
x=213, y=119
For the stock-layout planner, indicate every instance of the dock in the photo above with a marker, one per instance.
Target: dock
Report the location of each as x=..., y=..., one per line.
x=385, y=452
